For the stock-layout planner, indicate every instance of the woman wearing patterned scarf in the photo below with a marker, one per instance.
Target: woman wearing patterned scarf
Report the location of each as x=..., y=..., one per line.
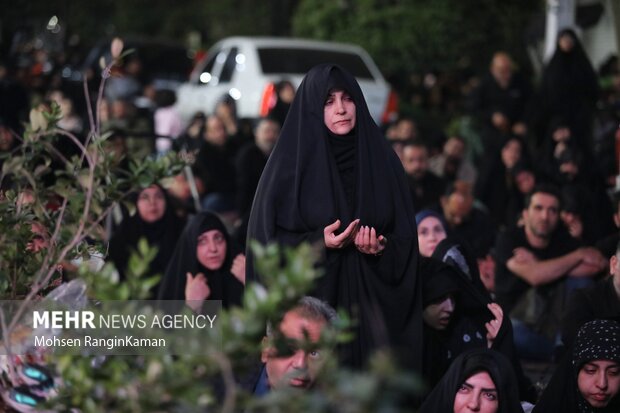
x=588, y=379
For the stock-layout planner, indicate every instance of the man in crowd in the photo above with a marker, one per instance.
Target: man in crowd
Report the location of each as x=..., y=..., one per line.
x=426, y=187
x=537, y=265
x=298, y=365
x=599, y=301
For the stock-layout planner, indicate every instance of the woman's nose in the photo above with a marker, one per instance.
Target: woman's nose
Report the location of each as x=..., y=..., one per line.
x=601, y=380
x=473, y=403
x=339, y=106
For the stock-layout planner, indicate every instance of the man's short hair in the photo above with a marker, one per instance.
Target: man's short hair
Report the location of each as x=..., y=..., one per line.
x=618, y=247
x=545, y=188
x=311, y=308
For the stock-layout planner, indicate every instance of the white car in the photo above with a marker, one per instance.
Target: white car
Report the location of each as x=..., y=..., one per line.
x=246, y=69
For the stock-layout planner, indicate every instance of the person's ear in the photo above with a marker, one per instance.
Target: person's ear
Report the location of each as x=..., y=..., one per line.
x=264, y=355
x=613, y=262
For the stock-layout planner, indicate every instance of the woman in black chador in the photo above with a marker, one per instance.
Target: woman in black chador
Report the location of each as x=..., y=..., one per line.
x=154, y=220
x=202, y=265
x=479, y=380
x=333, y=179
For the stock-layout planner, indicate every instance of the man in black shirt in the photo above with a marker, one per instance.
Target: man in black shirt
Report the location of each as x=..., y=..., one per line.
x=426, y=187
x=536, y=265
x=599, y=301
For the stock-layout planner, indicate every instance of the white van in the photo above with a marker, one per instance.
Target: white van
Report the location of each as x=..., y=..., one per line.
x=246, y=69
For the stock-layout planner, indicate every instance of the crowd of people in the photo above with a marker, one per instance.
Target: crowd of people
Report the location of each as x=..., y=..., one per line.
x=463, y=258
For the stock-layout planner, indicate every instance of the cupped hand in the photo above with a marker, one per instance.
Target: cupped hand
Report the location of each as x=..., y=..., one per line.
x=344, y=238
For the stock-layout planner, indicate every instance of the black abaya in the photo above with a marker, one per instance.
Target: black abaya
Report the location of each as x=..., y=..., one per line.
x=223, y=284
x=162, y=234
x=304, y=188
x=441, y=399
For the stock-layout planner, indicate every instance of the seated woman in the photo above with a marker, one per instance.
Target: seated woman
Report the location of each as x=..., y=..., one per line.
x=154, y=220
x=456, y=318
x=588, y=378
x=479, y=380
x=202, y=266
x=431, y=231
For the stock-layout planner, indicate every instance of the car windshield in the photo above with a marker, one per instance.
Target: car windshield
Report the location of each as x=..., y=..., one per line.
x=300, y=61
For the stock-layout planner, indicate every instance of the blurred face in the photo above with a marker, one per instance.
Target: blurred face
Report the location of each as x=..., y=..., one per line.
x=266, y=135
x=430, y=233
x=151, y=204
x=511, y=153
x=614, y=269
x=566, y=43
x=525, y=181
x=211, y=249
x=287, y=93
x=415, y=161
x=299, y=366
x=437, y=315
x=599, y=382
x=339, y=112
x=477, y=394
x=561, y=134
x=6, y=139
x=456, y=208
x=406, y=129
x=501, y=69
x=215, y=132
x=454, y=148
x=541, y=216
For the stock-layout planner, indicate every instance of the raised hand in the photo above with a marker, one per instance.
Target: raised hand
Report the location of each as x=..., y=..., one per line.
x=238, y=268
x=367, y=241
x=344, y=238
x=494, y=325
x=196, y=290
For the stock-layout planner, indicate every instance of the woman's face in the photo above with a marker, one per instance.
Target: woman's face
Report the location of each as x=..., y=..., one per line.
x=437, y=315
x=430, y=233
x=599, y=382
x=566, y=43
x=211, y=249
x=339, y=112
x=511, y=153
x=477, y=394
x=151, y=204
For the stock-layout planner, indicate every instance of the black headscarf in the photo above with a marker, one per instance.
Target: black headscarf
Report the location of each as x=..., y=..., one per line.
x=441, y=399
x=301, y=191
x=222, y=283
x=596, y=340
x=472, y=313
x=162, y=234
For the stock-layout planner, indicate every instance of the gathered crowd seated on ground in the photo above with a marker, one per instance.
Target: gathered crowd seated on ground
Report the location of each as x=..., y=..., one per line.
x=515, y=239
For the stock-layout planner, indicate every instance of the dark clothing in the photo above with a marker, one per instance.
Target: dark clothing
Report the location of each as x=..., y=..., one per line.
x=489, y=98
x=467, y=328
x=310, y=182
x=162, y=234
x=598, y=301
x=596, y=340
x=249, y=165
x=223, y=284
x=542, y=305
x=478, y=230
x=426, y=191
x=608, y=245
x=569, y=89
x=215, y=166
x=496, y=189
x=441, y=399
